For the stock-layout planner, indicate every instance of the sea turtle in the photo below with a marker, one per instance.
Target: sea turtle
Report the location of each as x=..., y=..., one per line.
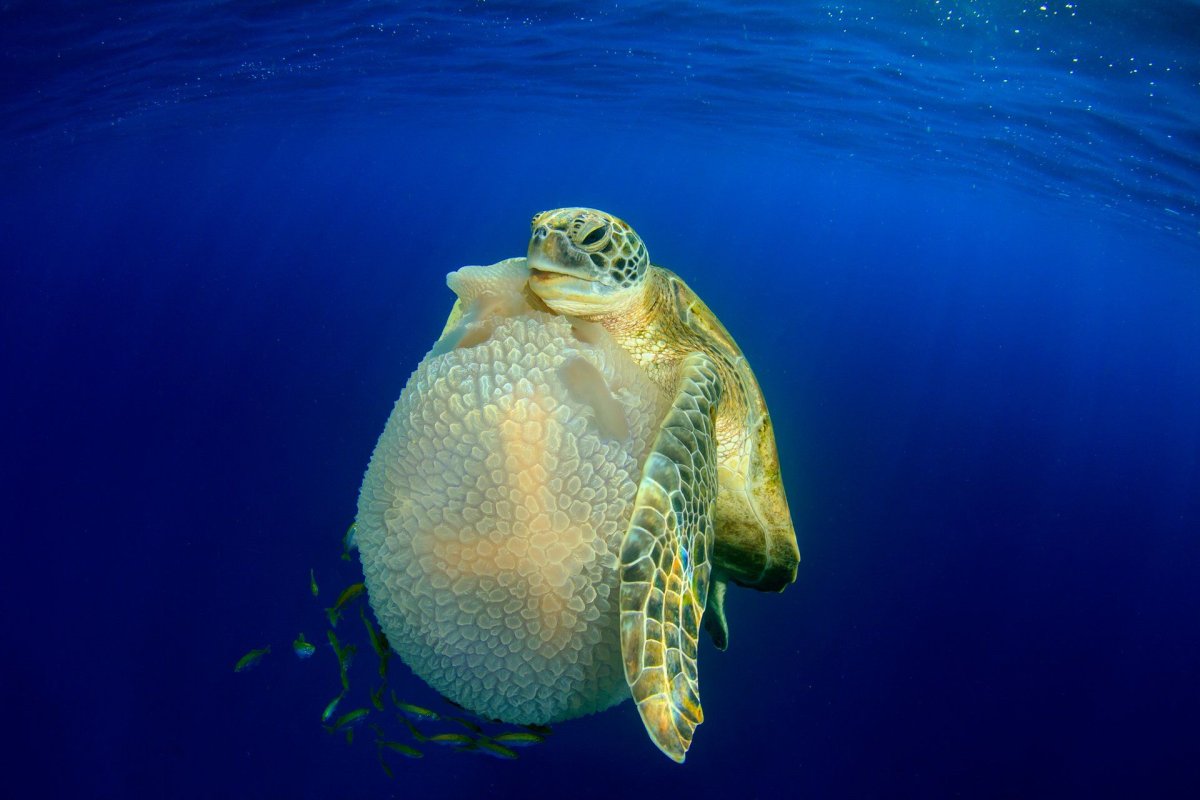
x=568, y=479
x=592, y=266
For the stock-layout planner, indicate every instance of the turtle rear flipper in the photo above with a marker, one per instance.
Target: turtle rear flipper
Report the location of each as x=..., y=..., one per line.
x=666, y=561
x=714, y=615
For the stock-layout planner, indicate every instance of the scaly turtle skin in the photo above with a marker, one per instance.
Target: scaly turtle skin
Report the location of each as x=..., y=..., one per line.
x=711, y=504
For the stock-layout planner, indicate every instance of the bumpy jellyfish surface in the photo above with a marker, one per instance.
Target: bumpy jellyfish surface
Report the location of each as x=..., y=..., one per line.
x=491, y=515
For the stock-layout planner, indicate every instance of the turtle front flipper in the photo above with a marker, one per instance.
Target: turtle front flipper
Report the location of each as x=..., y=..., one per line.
x=666, y=561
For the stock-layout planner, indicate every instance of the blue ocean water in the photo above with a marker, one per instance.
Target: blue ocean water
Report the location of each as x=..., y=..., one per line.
x=958, y=241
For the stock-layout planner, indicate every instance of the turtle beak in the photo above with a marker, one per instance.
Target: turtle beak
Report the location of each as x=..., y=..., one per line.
x=551, y=257
x=543, y=271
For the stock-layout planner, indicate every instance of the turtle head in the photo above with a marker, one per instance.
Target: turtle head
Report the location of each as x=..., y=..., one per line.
x=585, y=262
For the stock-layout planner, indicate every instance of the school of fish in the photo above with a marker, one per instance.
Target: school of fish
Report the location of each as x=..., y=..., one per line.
x=466, y=734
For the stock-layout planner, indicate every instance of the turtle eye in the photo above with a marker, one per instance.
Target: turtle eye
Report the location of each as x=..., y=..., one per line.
x=596, y=237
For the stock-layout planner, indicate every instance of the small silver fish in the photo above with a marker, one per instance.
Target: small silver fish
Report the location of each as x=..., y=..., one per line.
x=383, y=763
x=466, y=723
x=251, y=659
x=303, y=648
x=379, y=642
x=377, y=696
x=351, y=718
x=452, y=739
x=493, y=749
x=334, y=643
x=416, y=712
x=402, y=749
x=345, y=655
x=329, y=709
x=349, y=541
x=413, y=729
x=348, y=596
x=312, y=583
x=518, y=739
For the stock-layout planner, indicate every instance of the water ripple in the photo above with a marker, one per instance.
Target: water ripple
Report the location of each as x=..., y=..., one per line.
x=1094, y=101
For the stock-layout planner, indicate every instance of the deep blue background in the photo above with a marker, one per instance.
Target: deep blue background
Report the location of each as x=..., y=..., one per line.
x=987, y=401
